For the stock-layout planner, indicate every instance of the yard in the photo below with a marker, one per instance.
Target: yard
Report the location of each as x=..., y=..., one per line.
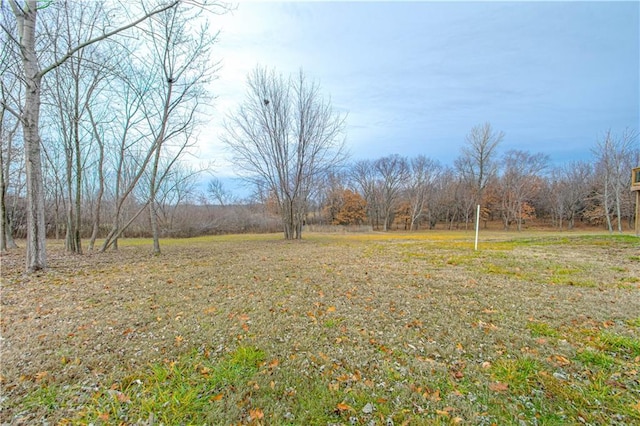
x=353, y=329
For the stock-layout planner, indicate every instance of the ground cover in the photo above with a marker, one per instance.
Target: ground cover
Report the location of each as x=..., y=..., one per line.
x=384, y=329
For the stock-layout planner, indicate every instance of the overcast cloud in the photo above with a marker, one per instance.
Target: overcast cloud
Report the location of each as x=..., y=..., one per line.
x=415, y=77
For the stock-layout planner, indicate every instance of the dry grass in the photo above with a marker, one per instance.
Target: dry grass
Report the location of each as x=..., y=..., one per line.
x=335, y=329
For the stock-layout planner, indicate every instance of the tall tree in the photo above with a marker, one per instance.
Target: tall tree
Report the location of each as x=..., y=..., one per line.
x=69, y=91
x=182, y=66
x=477, y=162
x=287, y=136
x=23, y=37
x=9, y=133
x=393, y=172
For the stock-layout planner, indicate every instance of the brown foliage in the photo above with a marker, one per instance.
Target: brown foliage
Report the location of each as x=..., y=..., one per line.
x=346, y=208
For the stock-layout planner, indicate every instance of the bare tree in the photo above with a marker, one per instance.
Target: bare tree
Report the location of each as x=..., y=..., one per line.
x=9, y=131
x=570, y=185
x=182, y=61
x=98, y=132
x=23, y=39
x=519, y=182
x=129, y=153
x=285, y=135
x=477, y=163
x=423, y=171
x=614, y=160
x=68, y=93
x=176, y=188
x=218, y=193
x=441, y=195
x=393, y=172
x=364, y=179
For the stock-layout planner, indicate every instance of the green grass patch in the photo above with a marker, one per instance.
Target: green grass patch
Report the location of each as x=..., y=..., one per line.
x=634, y=322
x=619, y=344
x=51, y=397
x=518, y=373
x=541, y=329
x=189, y=390
x=595, y=358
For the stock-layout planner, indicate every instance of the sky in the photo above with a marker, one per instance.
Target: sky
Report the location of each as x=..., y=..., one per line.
x=415, y=77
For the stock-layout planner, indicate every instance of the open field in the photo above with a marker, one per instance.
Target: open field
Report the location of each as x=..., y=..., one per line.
x=367, y=329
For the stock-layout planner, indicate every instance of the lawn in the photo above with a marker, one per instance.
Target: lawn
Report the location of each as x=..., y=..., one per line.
x=336, y=329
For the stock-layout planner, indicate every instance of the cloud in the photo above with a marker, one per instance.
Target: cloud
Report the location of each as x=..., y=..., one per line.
x=416, y=76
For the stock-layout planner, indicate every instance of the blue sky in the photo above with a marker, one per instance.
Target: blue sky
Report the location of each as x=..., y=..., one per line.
x=415, y=77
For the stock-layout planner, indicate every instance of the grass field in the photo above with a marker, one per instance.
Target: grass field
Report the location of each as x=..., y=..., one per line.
x=367, y=329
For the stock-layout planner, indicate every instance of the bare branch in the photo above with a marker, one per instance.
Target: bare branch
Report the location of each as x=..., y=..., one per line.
x=103, y=36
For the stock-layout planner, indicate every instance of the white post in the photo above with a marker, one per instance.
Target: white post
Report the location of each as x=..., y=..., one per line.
x=477, y=226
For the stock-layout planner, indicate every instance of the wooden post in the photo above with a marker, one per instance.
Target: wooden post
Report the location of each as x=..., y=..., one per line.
x=637, y=213
x=635, y=186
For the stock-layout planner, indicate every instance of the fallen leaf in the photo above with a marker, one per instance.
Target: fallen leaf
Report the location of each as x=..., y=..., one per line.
x=256, y=414
x=498, y=387
x=331, y=309
x=217, y=397
x=274, y=363
x=123, y=398
x=559, y=359
x=344, y=407
x=210, y=310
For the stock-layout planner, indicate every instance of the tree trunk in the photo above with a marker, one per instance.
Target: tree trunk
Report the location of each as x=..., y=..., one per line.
x=606, y=205
x=96, y=214
x=69, y=242
x=618, y=210
x=78, y=189
x=287, y=219
x=519, y=222
x=3, y=208
x=154, y=225
x=36, y=226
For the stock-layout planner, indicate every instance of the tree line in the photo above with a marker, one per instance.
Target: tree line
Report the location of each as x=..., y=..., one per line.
x=512, y=187
x=101, y=108
x=99, y=104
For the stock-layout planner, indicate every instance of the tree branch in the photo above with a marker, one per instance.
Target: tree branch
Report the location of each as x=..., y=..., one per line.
x=71, y=52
